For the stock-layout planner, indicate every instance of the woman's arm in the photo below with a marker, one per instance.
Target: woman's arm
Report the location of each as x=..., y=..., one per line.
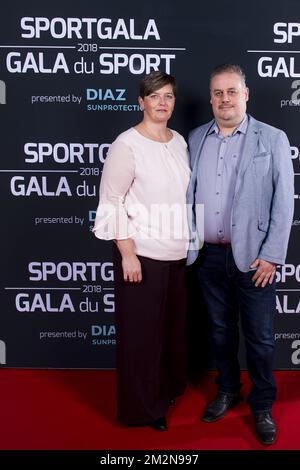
x=112, y=221
x=131, y=265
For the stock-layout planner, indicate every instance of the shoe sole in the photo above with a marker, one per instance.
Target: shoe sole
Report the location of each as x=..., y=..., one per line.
x=266, y=443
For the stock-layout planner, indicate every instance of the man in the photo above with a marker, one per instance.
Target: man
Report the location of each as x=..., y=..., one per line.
x=242, y=173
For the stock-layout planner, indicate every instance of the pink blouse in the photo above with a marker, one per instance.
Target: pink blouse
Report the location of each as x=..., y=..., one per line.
x=143, y=195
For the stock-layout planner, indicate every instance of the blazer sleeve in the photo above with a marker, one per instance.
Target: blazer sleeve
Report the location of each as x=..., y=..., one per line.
x=275, y=245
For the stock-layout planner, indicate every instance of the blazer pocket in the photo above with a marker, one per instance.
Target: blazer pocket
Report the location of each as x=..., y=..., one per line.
x=264, y=214
x=263, y=226
x=261, y=163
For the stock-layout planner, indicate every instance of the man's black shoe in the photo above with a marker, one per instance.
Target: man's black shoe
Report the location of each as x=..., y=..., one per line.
x=159, y=424
x=218, y=407
x=265, y=427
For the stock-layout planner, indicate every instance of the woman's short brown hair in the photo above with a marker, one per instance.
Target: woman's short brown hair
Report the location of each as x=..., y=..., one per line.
x=156, y=80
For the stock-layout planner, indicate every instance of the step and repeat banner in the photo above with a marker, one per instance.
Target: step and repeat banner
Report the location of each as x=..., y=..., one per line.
x=69, y=77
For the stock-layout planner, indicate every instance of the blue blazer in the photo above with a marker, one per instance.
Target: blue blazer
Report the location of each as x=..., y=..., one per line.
x=263, y=203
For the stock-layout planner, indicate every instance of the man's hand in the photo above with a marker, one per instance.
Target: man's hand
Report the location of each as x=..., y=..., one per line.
x=265, y=272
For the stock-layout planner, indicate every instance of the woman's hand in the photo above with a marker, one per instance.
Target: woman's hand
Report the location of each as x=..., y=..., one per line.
x=132, y=269
x=131, y=265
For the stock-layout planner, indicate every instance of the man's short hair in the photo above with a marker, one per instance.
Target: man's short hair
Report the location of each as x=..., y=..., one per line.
x=231, y=68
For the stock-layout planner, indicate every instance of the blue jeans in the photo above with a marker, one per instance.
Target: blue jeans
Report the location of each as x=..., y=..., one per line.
x=230, y=294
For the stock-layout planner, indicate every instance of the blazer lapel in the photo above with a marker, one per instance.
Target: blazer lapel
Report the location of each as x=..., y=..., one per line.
x=250, y=148
x=202, y=136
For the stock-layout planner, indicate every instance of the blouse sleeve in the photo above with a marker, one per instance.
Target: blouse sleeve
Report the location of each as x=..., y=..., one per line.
x=112, y=221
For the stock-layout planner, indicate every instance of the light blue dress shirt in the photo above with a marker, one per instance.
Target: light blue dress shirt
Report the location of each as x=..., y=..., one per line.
x=216, y=180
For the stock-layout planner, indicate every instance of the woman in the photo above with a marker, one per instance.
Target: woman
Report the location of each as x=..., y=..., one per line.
x=142, y=207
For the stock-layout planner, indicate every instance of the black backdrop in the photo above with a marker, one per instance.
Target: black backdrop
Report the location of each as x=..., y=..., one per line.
x=69, y=75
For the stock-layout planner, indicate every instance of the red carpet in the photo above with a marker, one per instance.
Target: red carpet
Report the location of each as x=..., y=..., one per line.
x=51, y=409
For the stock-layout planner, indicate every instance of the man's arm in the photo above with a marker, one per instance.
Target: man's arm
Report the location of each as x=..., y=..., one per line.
x=275, y=244
x=273, y=250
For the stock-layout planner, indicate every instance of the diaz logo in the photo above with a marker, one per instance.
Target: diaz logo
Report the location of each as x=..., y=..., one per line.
x=2, y=92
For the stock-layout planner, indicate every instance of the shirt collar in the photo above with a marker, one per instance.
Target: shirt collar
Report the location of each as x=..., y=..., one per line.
x=242, y=128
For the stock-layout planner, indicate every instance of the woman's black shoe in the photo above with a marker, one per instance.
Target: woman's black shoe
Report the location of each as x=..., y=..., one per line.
x=159, y=424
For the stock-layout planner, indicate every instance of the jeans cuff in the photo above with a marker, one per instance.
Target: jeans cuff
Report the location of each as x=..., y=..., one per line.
x=266, y=409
